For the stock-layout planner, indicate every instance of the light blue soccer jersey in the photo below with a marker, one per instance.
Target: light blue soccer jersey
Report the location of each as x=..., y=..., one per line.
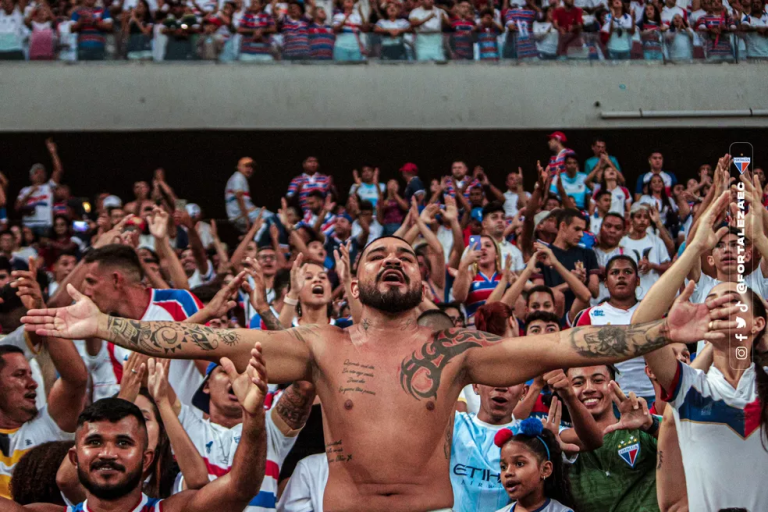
x=475, y=475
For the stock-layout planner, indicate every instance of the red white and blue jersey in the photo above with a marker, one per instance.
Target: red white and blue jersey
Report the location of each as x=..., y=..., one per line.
x=256, y=21
x=488, y=44
x=146, y=504
x=479, y=291
x=295, y=37
x=463, y=34
x=39, y=205
x=719, y=44
x=328, y=227
x=90, y=36
x=557, y=162
x=652, y=40
x=106, y=368
x=522, y=19
x=718, y=429
x=308, y=183
x=321, y=42
x=450, y=188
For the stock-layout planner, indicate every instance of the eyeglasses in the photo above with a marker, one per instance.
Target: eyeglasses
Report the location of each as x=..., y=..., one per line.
x=267, y=257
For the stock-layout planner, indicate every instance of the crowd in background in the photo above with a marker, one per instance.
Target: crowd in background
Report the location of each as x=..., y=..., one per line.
x=582, y=247
x=422, y=30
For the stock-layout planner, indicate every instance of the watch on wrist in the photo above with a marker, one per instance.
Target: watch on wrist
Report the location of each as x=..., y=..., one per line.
x=655, y=424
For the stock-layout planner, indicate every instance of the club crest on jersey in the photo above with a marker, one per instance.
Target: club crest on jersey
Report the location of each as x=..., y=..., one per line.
x=629, y=450
x=742, y=163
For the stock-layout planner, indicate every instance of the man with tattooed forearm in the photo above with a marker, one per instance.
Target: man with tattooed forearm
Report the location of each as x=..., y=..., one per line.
x=388, y=386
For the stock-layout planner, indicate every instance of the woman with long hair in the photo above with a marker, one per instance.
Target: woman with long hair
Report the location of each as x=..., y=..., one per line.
x=479, y=274
x=34, y=476
x=651, y=28
x=657, y=197
x=618, y=30
x=137, y=28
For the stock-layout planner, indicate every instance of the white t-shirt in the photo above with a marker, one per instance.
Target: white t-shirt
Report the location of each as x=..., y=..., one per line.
x=237, y=183
x=212, y=441
x=668, y=14
x=435, y=23
x=367, y=191
x=631, y=375
x=718, y=429
x=471, y=398
x=398, y=24
x=507, y=248
x=42, y=202
x=198, y=279
x=546, y=37
x=445, y=237
x=375, y=230
x=757, y=44
x=619, y=197
x=106, y=368
x=11, y=30
x=618, y=43
x=41, y=429
x=306, y=487
x=654, y=248
x=510, y=203
x=664, y=209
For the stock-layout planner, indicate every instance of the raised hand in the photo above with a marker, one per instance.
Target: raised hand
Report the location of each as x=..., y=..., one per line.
x=687, y=322
x=552, y=423
x=224, y=300
x=706, y=238
x=297, y=276
x=250, y=387
x=282, y=213
x=157, y=380
x=356, y=177
x=76, y=322
x=558, y=381
x=633, y=411
x=158, y=223
x=544, y=254
x=27, y=287
x=133, y=375
x=257, y=292
x=343, y=264
x=451, y=212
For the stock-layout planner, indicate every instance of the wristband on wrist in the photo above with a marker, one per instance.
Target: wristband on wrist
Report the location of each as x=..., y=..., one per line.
x=655, y=424
x=289, y=301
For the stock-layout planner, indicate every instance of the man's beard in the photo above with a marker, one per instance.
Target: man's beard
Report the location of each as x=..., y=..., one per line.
x=113, y=491
x=393, y=301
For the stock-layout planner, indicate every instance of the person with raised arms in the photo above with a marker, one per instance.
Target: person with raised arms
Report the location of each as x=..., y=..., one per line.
x=388, y=386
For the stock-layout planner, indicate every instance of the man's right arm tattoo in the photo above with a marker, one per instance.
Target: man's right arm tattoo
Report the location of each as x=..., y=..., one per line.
x=295, y=404
x=619, y=340
x=166, y=338
x=270, y=321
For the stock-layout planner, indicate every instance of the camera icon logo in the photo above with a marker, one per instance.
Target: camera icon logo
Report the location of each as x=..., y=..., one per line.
x=741, y=353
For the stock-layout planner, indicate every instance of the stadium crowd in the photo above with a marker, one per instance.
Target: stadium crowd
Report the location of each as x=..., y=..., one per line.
x=345, y=30
x=602, y=344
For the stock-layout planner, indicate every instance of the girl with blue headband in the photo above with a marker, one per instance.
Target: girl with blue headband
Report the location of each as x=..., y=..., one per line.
x=532, y=469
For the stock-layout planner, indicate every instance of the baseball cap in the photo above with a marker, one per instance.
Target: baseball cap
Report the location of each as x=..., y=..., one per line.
x=636, y=207
x=200, y=399
x=193, y=210
x=246, y=160
x=112, y=202
x=410, y=167
x=477, y=214
x=559, y=136
x=540, y=217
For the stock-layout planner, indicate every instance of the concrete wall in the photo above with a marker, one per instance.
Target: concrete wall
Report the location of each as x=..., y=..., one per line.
x=133, y=96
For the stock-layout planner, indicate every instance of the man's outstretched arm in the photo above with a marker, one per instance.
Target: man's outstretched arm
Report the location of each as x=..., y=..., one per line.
x=288, y=352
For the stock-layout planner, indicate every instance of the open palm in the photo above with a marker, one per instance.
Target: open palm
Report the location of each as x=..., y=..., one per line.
x=250, y=387
x=75, y=322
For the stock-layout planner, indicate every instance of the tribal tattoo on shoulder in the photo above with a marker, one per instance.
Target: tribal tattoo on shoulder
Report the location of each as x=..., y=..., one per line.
x=165, y=338
x=421, y=372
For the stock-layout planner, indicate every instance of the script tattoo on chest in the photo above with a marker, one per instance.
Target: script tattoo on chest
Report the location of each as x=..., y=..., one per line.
x=335, y=452
x=356, y=377
x=420, y=373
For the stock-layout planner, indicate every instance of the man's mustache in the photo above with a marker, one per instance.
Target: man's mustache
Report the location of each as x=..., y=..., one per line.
x=107, y=464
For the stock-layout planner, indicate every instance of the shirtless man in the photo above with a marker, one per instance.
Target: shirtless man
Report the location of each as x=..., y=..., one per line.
x=387, y=385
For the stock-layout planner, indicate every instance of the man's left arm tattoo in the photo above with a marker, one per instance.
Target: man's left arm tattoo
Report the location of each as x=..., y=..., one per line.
x=270, y=321
x=619, y=340
x=420, y=373
x=295, y=404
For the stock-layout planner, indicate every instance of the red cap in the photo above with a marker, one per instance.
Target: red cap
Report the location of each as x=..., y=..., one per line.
x=559, y=136
x=409, y=167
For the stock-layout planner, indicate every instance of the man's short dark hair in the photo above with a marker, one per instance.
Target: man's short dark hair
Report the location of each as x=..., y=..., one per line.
x=614, y=214
x=282, y=280
x=365, y=206
x=69, y=251
x=620, y=257
x=117, y=255
x=112, y=410
x=8, y=349
x=567, y=215
x=570, y=156
x=541, y=288
x=316, y=193
x=612, y=370
x=601, y=193
x=545, y=316
x=205, y=292
x=598, y=139
x=435, y=320
x=492, y=207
